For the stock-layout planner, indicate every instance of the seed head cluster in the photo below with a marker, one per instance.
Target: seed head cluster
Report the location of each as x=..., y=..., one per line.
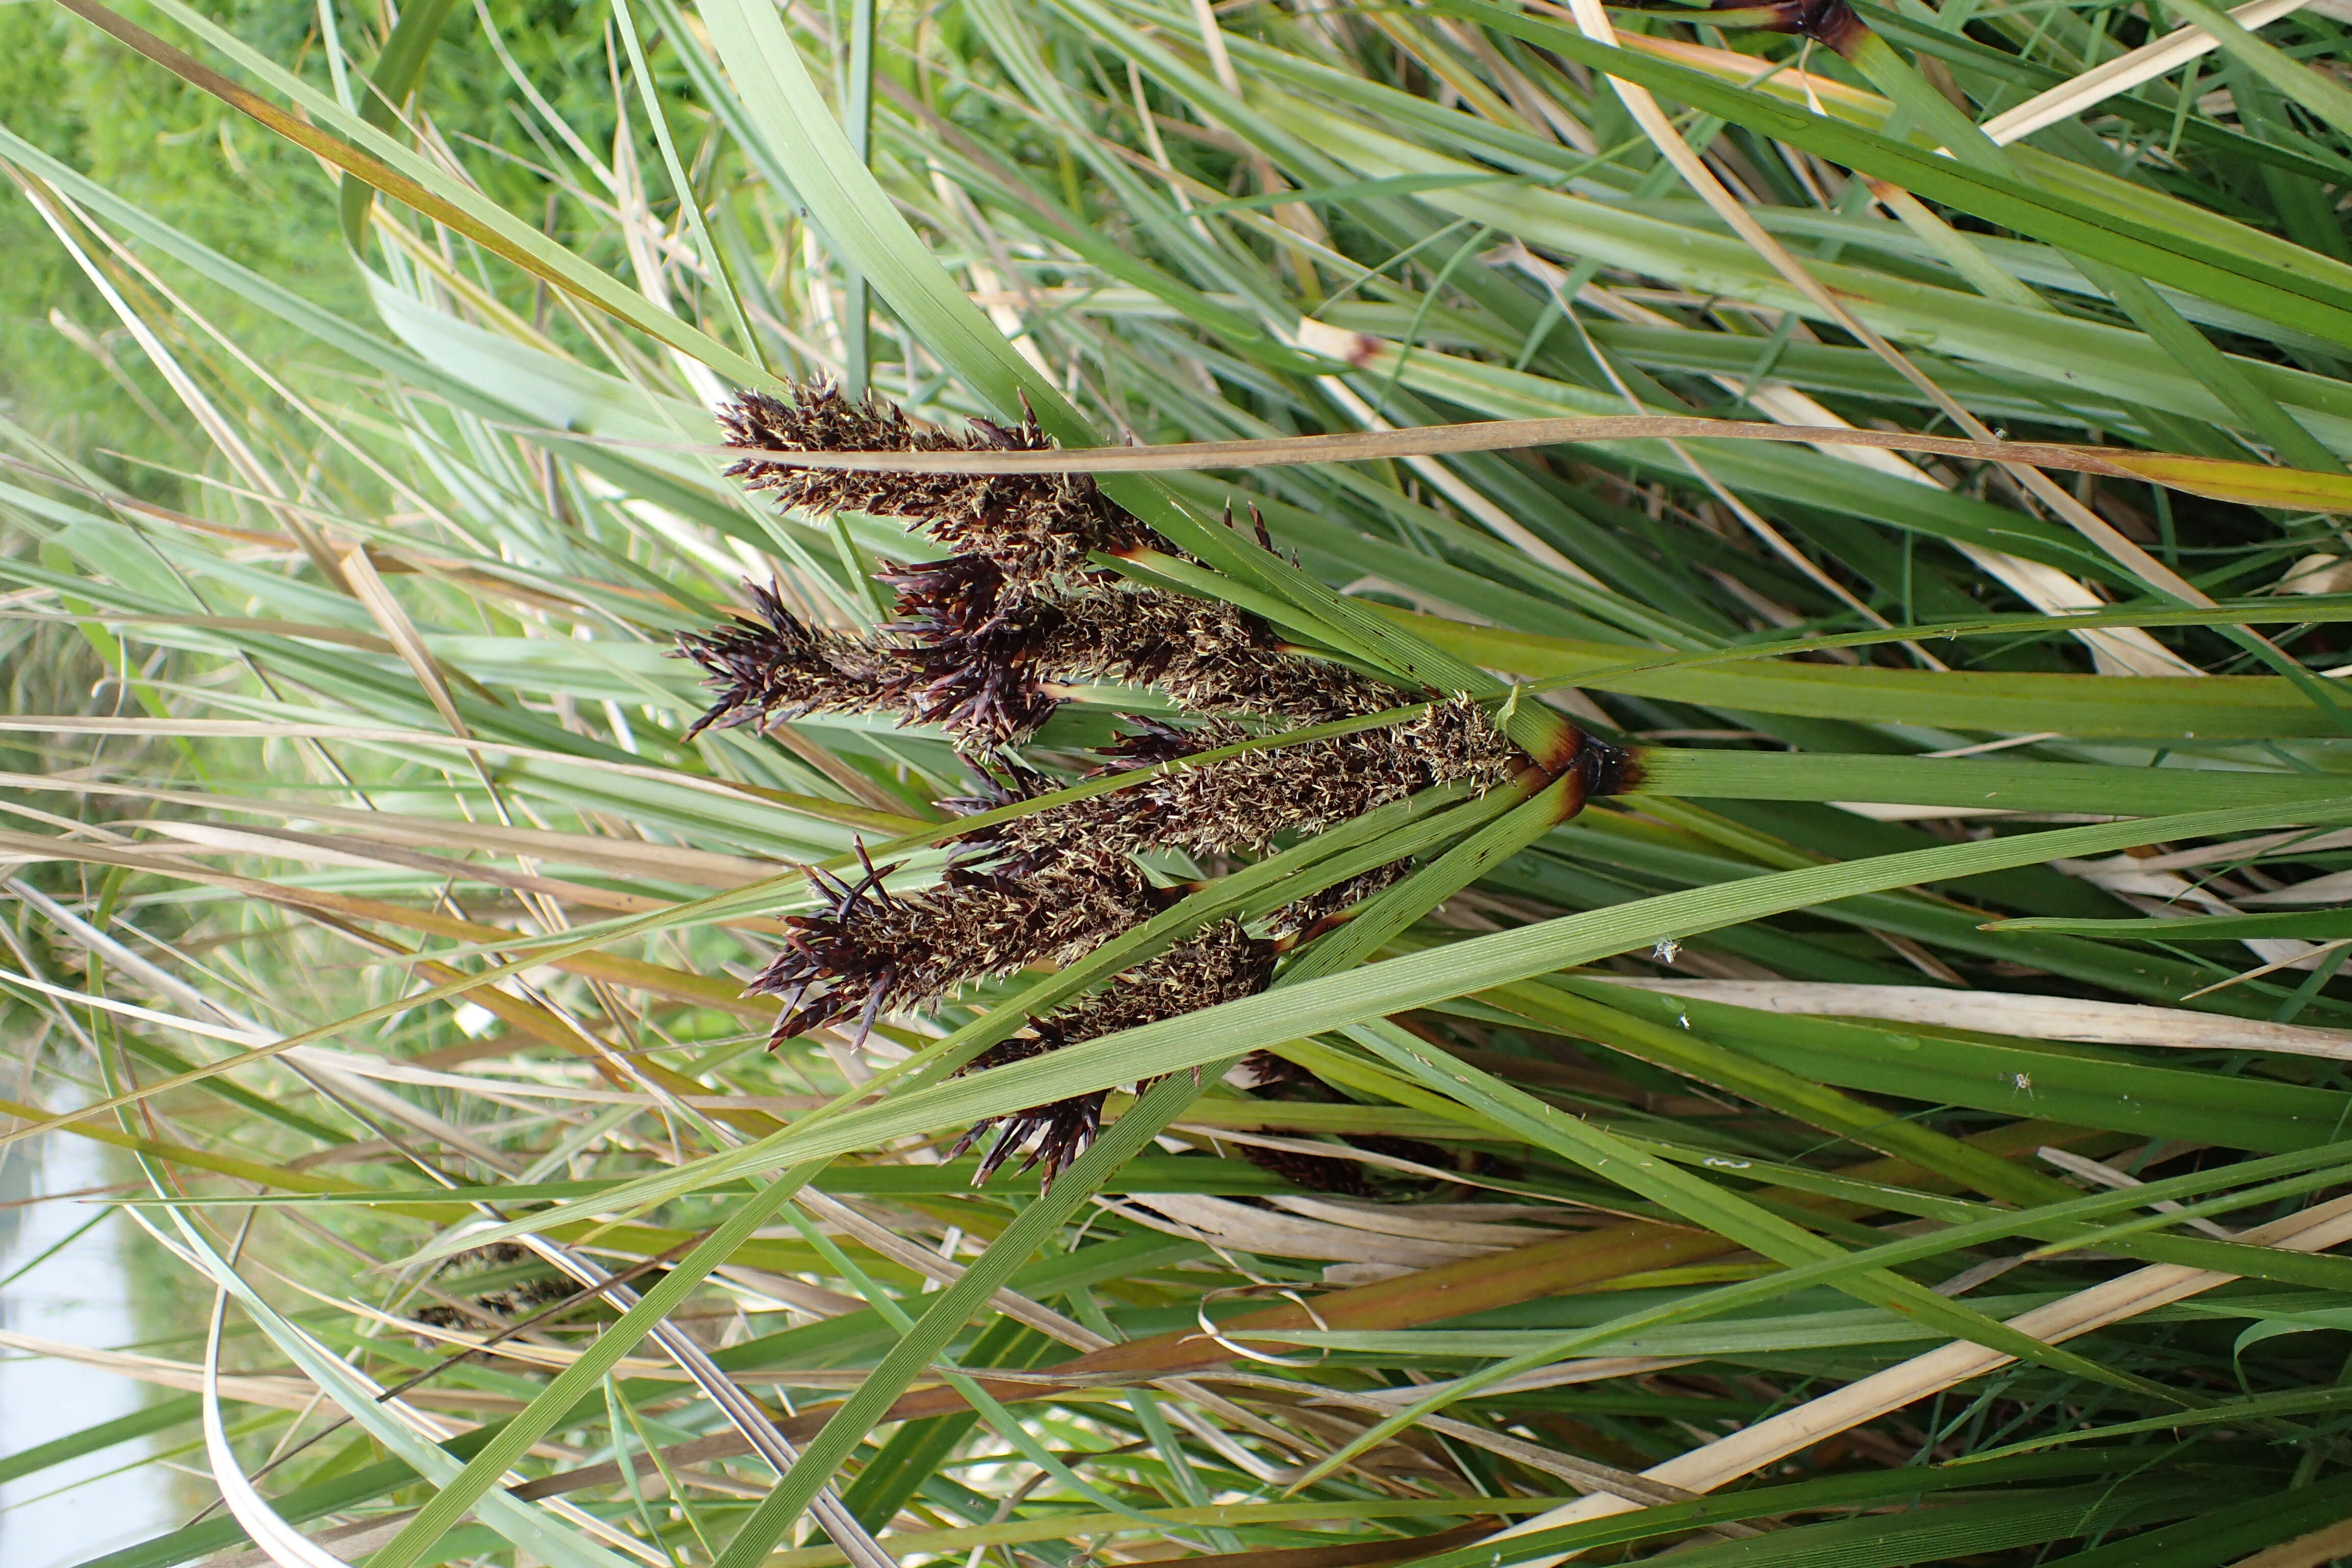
x=985, y=645
x=1245, y=801
x=991, y=685
x=1223, y=964
x=770, y=663
x=872, y=950
x=1207, y=656
x=1035, y=527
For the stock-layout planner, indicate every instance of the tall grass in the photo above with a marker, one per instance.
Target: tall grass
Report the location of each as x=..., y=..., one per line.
x=1901, y=1119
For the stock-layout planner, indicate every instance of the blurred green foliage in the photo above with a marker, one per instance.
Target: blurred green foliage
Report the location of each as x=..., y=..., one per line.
x=207, y=170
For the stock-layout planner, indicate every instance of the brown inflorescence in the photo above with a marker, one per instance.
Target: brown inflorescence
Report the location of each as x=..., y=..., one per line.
x=989, y=688
x=1058, y=881
x=1302, y=919
x=1035, y=526
x=770, y=664
x=872, y=950
x=1244, y=801
x=1223, y=964
x=1206, y=657
x=985, y=646
x=1317, y=1173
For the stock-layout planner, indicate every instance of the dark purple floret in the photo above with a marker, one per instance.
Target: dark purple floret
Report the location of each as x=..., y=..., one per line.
x=770, y=664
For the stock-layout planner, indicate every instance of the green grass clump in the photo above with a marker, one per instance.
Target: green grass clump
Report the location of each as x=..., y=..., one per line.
x=1606, y=957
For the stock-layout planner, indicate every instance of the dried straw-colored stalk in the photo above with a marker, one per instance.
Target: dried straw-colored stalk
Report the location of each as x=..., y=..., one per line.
x=2009, y=1013
x=2168, y=54
x=1703, y=1469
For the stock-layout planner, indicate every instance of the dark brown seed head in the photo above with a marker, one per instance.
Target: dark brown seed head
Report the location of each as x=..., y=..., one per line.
x=1034, y=526
x=979, y=660
x=1223, y=964
x=871, y=950
x=1245, y=802
x=1206, y=657
x=982, y=641
x=960, y=596
x=985, y=676
x=987, y=686
x=1055, y=1134
x=1316, y=1172
x=1307, y=917
x=770, y=664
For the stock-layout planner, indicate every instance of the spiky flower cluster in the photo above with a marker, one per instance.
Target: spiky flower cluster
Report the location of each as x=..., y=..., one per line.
x=986, y=643
x=1207, y=656
x=771, y=663
x=1223, y=964
x=872, y=950
x=1033, y=527
x=1247, y=800
x=994, y=686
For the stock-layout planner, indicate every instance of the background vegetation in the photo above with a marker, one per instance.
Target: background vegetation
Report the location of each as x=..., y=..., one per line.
x=1785, y=1155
